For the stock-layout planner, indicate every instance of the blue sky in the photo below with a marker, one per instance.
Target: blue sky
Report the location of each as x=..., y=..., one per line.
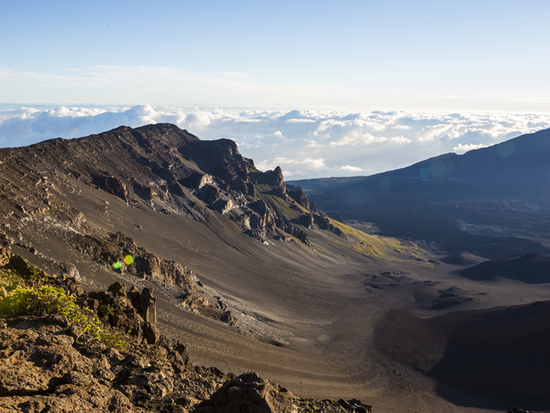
x=367, y=55
x=348, y=56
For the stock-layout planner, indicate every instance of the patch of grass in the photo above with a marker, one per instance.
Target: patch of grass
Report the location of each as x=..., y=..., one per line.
x=288, y=209
x=375, y=246
x=114, y=340
x=51, y=300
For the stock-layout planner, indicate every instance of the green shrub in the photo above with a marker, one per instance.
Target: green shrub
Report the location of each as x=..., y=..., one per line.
x=114, y=340
x=10, y=279
x=50, y=300
x=105, y=311
x=34, y=273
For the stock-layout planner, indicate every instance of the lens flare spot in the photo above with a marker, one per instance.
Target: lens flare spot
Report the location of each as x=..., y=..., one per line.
x=437, y=168
x=117, y=265
x=128, y=260
x=384, y=184
x=424, y=173
x=506, y=149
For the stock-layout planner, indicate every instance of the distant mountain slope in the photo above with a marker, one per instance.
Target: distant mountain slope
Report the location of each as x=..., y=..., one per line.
x=527, y=268
x=492, y=202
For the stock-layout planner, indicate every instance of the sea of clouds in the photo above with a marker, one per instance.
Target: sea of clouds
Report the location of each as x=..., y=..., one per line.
x=306, y=144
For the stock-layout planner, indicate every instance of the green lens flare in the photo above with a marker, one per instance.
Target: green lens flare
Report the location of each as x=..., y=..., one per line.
x=117, y=265
x=128, y=259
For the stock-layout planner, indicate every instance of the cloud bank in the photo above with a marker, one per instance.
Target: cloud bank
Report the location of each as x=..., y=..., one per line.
x=305, y=143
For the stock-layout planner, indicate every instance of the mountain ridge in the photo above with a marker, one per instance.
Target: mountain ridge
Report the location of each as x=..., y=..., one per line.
x=494, y=201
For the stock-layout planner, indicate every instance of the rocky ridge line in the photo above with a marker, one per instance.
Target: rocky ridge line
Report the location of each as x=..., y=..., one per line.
x=160, y=167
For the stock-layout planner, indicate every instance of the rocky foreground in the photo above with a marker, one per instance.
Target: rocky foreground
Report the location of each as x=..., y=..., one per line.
x=49, y=364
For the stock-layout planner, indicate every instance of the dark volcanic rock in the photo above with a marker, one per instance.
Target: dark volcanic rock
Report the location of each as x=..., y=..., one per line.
x=112, y=185
x=148, y=306
x=132, y=312
x=299, y=196
x=277, y=181
x=19, y=264
x=248, y=393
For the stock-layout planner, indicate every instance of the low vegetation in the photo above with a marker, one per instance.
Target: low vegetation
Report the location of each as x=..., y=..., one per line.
x=9, y=279
x=376, y=246
x=46, y=300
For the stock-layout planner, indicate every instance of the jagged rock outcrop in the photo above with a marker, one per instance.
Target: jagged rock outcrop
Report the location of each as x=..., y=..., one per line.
x=299, y=196
x=261, y=219
x=276, y=180
x=108, y=249
x=112, y=185
x=132, y=311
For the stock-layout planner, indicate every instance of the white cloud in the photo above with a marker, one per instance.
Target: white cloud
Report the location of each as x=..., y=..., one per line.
x=351, y=168
x=460, y=148
x=304, y=143
x=400, y=139
x=313, y=163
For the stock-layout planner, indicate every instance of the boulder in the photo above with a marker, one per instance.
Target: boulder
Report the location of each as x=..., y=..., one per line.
x=133, y=296
x=248, y=393
x=19, y=264
x=151, y=333
x=117, y=288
